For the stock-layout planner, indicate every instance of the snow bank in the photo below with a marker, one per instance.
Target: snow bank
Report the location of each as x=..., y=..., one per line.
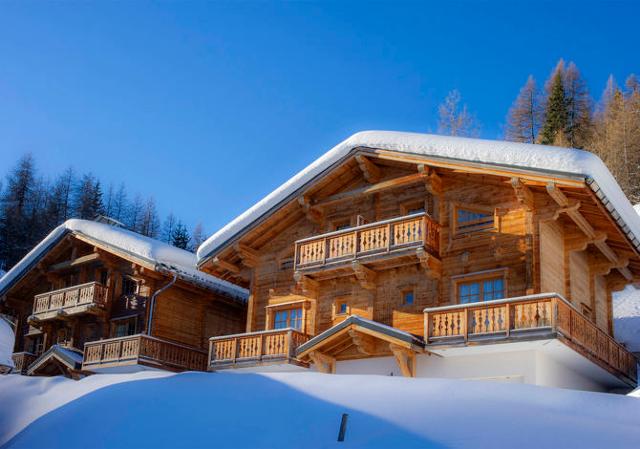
x=509, y=154
x=150, y=250
x=293, y=410
x=626, y=317
x=6, y=343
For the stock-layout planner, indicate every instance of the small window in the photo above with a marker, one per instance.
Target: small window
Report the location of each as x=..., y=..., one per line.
x=408, y=297
x=123, y=328
x=129, y=286
x=342, y=225
x=342, y=307
x=286, y=264
x=472, y=220
x=586, y=311
x=104, y=276
x=288, y=318
x=480, y=290
x=415, y=207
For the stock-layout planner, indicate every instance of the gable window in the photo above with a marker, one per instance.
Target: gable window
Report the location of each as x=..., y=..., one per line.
x=129, y=286
x=480, y=289
x=288, y=318
x=473, y=219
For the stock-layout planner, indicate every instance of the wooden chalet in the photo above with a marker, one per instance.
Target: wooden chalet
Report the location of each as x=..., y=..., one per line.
x=432, y=256
x=94, y=297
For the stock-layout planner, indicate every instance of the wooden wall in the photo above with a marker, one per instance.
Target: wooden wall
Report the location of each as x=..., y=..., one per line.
x=552, y=266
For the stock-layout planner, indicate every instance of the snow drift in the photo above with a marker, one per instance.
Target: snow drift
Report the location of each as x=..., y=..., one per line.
x=293, y=410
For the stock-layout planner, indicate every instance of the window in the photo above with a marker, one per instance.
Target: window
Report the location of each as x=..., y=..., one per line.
x=408, y=297
x=129, y=286
x=414, y=207
x=480, y=290
x=288, y=318
x=125, y=327
x=286, y=264
x=586, y=311
x=469, y=219
x=341, y=307
x=104, y=276
x=342, y=225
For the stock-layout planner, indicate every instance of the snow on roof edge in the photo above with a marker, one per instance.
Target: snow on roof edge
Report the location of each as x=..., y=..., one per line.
x=137, y=245
x=566, y=161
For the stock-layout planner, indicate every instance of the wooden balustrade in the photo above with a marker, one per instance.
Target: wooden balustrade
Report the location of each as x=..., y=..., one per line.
x=381, y=237
x=91, y=293
x=145, y=350
x=524, y=317
x=255, y=347
x=22, y=361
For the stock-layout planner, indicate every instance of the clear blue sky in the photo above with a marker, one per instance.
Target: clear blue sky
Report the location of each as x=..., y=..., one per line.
x=210, y=106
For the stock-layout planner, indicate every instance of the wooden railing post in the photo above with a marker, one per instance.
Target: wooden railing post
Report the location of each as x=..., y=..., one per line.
x=465, y=319
x=507, y=319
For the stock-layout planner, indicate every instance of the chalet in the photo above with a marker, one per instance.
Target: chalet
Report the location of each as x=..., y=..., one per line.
x=94, y=297
x=432, y=256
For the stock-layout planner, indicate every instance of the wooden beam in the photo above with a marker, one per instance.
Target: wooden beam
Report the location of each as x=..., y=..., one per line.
x=431, y=264
x=370, y=190
x=364, y=343
x=523, y=193
x=312, y=213
x=371, y=171
x=307, y=286
x=226, y=265
x=585, y=226
x=432, y=182
x=323, y=362
x=75, y=262
x=365, y=276
x=405, y=358
x=248, y=255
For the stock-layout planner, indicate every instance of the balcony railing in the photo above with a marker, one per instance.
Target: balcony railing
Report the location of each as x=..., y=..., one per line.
x=22, y=361
x=413, y=231
x=545, y=315
x=144, y=350
x=255, y=348
x=91, y=293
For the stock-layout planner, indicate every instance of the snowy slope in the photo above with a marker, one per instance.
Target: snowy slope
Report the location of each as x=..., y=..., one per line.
x=294, y=410
x=6, y=343
x=508, y=154
x=145, y=248
x=626, y=317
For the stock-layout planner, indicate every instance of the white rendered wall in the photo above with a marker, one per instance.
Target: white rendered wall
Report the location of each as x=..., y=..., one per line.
x=530, y=366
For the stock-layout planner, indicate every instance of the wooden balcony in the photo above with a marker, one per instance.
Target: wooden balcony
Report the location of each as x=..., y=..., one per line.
x=374, y=242
x=22, y=361
x=142, y=350
x=528, y=318
x=84, y=298
x=256, y=349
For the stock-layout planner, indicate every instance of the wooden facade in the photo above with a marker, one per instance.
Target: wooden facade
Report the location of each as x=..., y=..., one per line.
x=95, y=298
x=385, y=235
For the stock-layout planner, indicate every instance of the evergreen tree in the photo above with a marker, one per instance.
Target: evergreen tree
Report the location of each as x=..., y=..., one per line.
x=89, y=198
x=556, y=115
x=525, y=115
x=455, y=119
x=180, y=236
x=579, y=106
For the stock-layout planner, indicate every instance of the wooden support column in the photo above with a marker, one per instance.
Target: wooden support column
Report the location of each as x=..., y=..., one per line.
x=405, y=358
x=323, y=362
x=431, y=264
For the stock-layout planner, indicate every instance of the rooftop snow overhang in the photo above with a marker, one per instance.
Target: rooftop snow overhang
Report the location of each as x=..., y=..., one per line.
x=22, y=268
x=577, y=167
x=70, y=358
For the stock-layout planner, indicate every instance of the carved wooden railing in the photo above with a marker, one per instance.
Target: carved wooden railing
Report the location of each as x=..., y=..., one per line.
x=65, y=298
x=143, y=348
x=418, y=230
x=506, y=318
x=255, y=346
x=22, y=361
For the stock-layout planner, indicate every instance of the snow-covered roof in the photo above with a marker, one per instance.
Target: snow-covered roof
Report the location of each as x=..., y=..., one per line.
x=162, y=256
x=551, y=160
x=6, y=343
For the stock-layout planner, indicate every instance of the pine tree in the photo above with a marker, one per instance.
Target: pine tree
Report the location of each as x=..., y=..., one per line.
x=89, y=198
x=180, y=236
x=168, y=227
x=525, y=115
x=556, y=115
x=579, y=106
x=197, y=237
x=455, y=119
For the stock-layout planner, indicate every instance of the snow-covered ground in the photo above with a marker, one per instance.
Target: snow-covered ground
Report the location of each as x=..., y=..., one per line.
x=626, y=317
x=6, y=343
x=294, y=410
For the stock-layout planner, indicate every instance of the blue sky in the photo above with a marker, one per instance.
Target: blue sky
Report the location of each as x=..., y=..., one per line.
x=209, y=106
